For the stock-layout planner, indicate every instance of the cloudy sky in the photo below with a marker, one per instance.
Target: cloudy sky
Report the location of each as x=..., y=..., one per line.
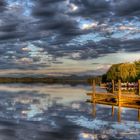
x=57, y=37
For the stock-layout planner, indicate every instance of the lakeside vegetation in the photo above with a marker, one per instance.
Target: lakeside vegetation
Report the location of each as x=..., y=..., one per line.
x=126, y=72
x=73, y=80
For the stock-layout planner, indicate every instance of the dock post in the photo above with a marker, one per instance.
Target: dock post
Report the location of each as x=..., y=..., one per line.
x=112, y=111
x=139, y=115
x=113, y=86
x=94, y=109
x=94, y=88
x=119, y=100
x=139, y=86
x=119, y=113
x=119, y=90
x=93, y=98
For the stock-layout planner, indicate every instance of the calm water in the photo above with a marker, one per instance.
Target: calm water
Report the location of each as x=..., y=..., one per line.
x=59, y=112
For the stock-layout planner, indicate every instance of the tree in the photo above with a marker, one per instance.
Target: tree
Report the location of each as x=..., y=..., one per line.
x=123, y=71
x=114, y=72
x=104, y=78
x=127, y=71
x=137, y=64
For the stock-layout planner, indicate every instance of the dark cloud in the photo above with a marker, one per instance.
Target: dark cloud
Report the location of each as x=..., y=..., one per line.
x=132, y=45
x=127, y=7
x=47, y=8
x=13, y=35
x=8, y=27
x=103, y=9
x=92, y=8
x=53, y=18
x=56, y=27
x=11, y=26
x=2, y=5
x=114, y=45
x=62, y=25
x=92, y=49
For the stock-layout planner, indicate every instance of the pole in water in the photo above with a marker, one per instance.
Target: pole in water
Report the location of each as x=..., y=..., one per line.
x=93, y=99
x=112, y=111
x=139, y=115
x=119, y=113
x=94, y=109
x=119, y=100
x=113, y=86
x=94, y=88
x=119, y=91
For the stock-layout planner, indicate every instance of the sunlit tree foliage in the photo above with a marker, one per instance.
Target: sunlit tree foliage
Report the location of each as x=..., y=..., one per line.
x=123, y=71
x=137, y=64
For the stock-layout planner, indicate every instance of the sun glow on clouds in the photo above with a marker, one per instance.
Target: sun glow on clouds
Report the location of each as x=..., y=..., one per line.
x=123, y=28
x=87, y=26
x=87, y=136
x=73, y=7
x=26, y=60
x=25, y=49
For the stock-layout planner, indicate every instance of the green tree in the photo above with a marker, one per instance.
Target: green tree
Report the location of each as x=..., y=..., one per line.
x=114, y=72
x=127, y=71
x=123, y=71
x=137, y=64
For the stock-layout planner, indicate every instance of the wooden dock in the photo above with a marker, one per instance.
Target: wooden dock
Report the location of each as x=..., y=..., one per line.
x=116, y=98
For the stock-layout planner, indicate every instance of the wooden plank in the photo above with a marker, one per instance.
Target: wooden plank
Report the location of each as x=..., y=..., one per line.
x=106, y=103
x=130, y=97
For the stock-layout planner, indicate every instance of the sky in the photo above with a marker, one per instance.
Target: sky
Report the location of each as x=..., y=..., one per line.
x=63, y=37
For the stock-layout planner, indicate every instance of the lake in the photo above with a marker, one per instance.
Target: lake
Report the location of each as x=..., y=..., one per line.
x=60, y=112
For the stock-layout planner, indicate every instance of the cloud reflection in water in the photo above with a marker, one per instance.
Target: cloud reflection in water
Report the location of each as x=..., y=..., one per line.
x=60, y=112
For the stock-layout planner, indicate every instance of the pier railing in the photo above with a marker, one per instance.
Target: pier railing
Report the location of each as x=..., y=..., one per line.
x=115, y=98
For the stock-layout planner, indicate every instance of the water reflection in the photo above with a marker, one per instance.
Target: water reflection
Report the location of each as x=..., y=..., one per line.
x=31, y=101
x=57, y=112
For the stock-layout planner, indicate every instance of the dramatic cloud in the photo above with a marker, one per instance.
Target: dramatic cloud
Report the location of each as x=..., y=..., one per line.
x=92, y=8
x=127, y=7
x=2, y=5
x=37, y=34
